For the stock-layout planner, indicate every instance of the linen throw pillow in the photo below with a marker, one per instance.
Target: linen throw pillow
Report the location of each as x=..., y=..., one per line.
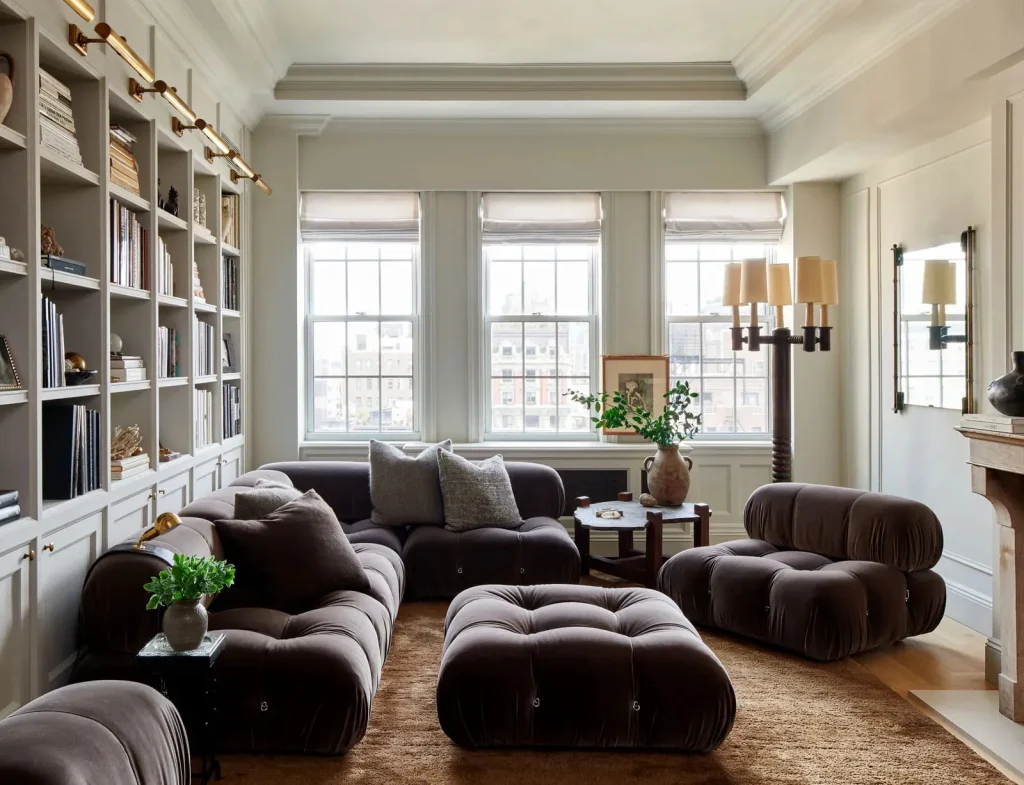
x=406, y=490
x=265, y=497
x=477, y=495
x=294, y=555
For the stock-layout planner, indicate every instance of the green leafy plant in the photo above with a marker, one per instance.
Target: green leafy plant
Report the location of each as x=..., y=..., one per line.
x=189, y=578
x=672, y=426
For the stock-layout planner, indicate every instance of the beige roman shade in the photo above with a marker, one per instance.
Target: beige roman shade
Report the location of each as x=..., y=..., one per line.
x=738, y=216
x=540, y=216
x=333, y=214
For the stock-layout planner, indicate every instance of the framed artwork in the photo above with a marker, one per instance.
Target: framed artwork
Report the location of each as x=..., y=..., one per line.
x=227, y=359
x=643, y=379
x=9, y=379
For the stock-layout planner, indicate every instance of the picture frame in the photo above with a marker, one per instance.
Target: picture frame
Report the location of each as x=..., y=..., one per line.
x=641, y=375
x=9, y=378
x=227, y=359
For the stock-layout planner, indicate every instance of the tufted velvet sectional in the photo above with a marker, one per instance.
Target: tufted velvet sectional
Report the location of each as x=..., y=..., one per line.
x=828, y=572
x=304, y=683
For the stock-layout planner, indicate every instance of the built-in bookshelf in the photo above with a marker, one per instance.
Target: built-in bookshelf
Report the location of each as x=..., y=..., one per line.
x=79, y=155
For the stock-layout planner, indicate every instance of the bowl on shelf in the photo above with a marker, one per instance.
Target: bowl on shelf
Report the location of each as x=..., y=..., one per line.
x=74, y=378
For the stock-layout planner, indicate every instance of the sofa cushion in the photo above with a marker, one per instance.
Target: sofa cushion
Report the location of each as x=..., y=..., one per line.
x=405, y=490
x=295, y=554
x=263, y=499
x=477, y=495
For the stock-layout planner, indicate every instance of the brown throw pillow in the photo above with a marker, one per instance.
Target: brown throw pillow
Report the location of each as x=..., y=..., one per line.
x=294, y=555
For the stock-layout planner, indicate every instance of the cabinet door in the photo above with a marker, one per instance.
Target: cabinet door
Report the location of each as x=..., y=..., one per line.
x=129, y=517
x=64, y=558
x=230, y=467
x=15, y=640
x=204, y=479
x=172, y=494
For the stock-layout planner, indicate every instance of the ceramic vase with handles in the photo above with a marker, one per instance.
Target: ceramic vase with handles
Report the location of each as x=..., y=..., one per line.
x=668, y=476
x=1006, y=394
x=185, y=624
x=6, y=86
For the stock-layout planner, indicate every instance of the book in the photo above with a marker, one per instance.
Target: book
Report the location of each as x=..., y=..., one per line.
x=11, y=513
x=60, y=264
x=129, y=462
x=121, y=361
x=124, y=474
x=70, y=448
x=8, y=498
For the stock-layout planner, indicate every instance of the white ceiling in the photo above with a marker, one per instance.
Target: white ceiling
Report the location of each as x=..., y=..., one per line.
x=518, y=31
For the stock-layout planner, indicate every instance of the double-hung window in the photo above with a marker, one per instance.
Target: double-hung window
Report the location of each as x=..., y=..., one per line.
x=362, y=313
x=541, y=254
x=704, y=231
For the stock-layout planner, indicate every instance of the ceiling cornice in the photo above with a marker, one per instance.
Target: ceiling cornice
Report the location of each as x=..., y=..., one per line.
x=301, y=124
x=898, y=30
x=785, y=38
x=693, y=127
x=456, y=82
x=254, y=19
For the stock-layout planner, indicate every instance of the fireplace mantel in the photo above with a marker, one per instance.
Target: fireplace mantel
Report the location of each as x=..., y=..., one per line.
x=997, y=473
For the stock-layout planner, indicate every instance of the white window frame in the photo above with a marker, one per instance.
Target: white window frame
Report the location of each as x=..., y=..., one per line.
x=418, y=372
x=593, y=319
x=767, y=317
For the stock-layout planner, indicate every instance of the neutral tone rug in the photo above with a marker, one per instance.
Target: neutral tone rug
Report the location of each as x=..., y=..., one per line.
x=798, y=722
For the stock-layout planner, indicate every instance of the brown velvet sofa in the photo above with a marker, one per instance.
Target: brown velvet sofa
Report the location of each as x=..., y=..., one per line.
x=828, y=572
x=440, y=563
x=299, y=683
x=110, y=732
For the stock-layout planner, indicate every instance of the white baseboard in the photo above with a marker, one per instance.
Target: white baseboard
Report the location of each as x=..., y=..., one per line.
x=969, y=607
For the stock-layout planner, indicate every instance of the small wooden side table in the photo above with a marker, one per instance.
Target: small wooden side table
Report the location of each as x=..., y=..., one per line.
x=632, y=564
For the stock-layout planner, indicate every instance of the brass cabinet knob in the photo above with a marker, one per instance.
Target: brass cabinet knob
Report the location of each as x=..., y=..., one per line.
x=161, y=491
x=152, y=495
x=48, y=547
x=31, y=556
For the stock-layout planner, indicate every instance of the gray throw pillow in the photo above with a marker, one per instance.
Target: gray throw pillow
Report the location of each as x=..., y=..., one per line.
x=405, y=490
x=294, y=556
x=475, y=495
x=264, y=498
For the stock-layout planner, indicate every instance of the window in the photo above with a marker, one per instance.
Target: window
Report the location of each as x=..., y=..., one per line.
x=540, y=257
x=702, y=233
x=362, y=257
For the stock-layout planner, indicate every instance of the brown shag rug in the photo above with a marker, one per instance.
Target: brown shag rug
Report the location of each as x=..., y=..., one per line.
x=798, y=722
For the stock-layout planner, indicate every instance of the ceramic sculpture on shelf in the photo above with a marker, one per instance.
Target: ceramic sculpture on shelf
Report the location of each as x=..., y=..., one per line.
x=6, y=86
x=1006, y=394
x=116, y=344
x=126, y=442
x=172, y=201
x=49, y=244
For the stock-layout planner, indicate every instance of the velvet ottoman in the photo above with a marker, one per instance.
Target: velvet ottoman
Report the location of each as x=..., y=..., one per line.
x=579, y=666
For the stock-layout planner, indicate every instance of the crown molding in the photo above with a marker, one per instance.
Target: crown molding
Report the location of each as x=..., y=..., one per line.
x=300, y=124
x=871, y=49
x=543, y=82
x=691, y=127
x=785, y=38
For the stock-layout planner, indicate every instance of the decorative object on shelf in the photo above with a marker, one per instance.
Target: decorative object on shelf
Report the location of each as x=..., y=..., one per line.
x=48, y=243
x=124, y=169
x=164, y=522
x=171, y=205
x=197, y=285
x=181, y=590
x=199, y=207
x=646, y=500
x=76, y=360
x=74, y=378
x=10, y=510
x=668, y=473
x=1006, y=394
x=160, y=195
x=126, y=442
x=229, y=219
x=5, y=251
x=116, y=345
x=753, y=281
x=167, y=455
x=228, y=359
x=6, y=86
x=17, y=255
x=75, y=370
x=57, y=120
x=9, y=378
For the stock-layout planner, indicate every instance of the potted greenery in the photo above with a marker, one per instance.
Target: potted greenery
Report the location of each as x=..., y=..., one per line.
x=668, y=473
x=181, y=589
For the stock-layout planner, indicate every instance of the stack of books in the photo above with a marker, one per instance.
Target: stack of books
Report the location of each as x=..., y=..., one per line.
x=204, y=418
x=229, y=299
x=71, y=450
x=204, y=343
x=53, y=345
x=232, y=402
x=123, y=468
x=129, y=248
x=127, y=368
x=167, y=352
x=164, y=269
x=56, y=120
x=124, y=169
x=9, y=508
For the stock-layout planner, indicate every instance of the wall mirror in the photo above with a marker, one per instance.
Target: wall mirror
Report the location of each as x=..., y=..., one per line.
x=933, y=326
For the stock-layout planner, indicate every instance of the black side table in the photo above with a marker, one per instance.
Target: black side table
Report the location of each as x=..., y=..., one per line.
x=189, y=681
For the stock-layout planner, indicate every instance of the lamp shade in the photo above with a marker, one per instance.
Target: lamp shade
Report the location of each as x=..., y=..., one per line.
x=779, y=290
x=829, y=282
x=808, y=279
x=939, y=283
x=754, y=281
x=731, y=284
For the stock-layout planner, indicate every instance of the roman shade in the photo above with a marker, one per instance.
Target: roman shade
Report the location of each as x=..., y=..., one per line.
x=725, y=217
x=520, y=217
x=328, y=215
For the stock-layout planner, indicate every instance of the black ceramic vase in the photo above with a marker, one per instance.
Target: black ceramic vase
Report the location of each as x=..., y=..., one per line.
x=1006, y=393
